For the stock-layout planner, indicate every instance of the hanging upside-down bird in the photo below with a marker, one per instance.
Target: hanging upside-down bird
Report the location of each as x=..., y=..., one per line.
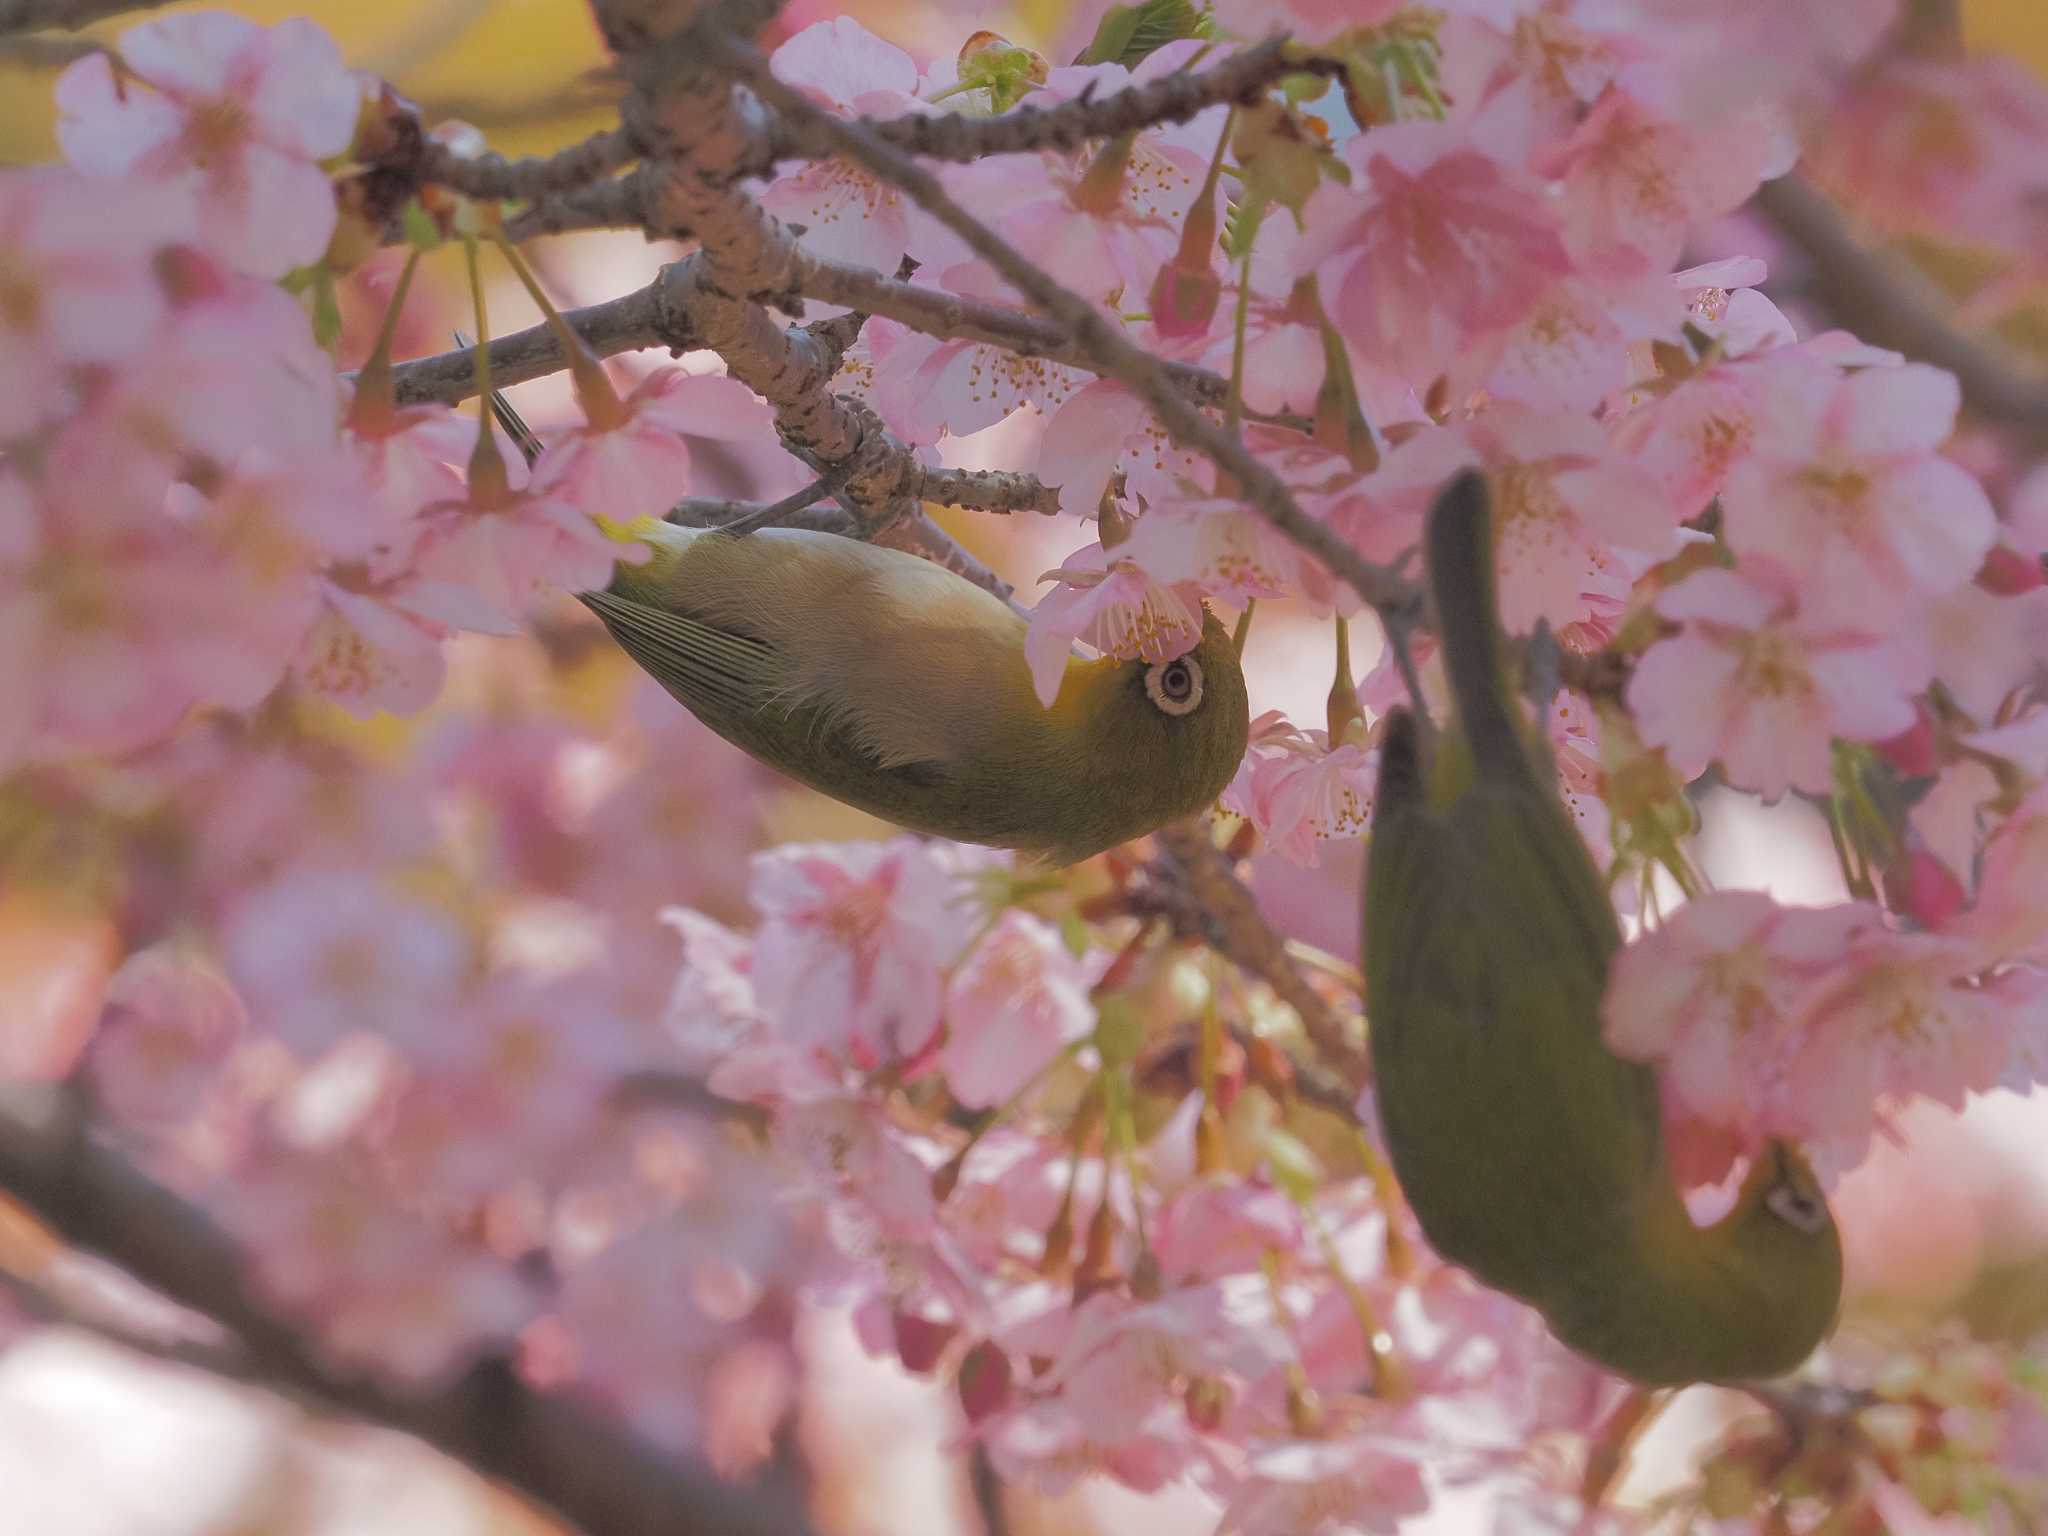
x=890, y=683
x=1530, y=1153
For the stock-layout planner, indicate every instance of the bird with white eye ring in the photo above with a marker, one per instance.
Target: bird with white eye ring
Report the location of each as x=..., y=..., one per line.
x=896, y=686
x=1176, y=685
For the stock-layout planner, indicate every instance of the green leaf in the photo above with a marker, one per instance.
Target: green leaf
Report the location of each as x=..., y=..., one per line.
x=421, y=232
x=1129, y=34
x=326, y=310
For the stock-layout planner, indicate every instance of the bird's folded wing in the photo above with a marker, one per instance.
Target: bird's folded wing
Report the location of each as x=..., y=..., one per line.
x=704, y=666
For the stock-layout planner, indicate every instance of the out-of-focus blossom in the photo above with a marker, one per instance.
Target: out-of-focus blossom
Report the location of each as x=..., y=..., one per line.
x=171, y=1021
x=1438, y=246
x=235, y=115
x=321, y=953
x=1010, y=1007
x=632, y=461
x=80, y=288
x=1760, y=685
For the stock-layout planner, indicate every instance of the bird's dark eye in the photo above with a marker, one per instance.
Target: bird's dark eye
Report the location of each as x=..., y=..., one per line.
x=1175, y=686
x=1796, y=1208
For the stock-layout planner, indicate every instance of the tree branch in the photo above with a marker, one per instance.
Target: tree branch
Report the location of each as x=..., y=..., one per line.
x=1397, y=601
x=1174, y=98
x=647, y=317
x=1890, y=307
x=532, y=176
x=612, y=204
x=67, y=15
x=952, y=316
x=599, y=1476
x=1219, y=910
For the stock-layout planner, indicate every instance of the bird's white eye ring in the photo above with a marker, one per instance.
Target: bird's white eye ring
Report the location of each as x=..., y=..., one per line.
x=1796, y=1208
x=1175, y=686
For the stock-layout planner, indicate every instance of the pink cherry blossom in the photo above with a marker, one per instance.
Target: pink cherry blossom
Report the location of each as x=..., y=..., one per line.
x=366, y=651
x=406, y=461
x=1571, y=351
x=321, y=953
x=1122, y=1360
x=262, y=530
x=172, y=1019
x=1436, y=248
x=1215, y=1227
x=1804, y=1023
x=1101, y=224
x=925, y=385
x=380, y=1288
x=1574, y=524
x=235, y=115
x=712, y=1009
x=1114, y=605
x=637, y=465
x=1710, y=994
x=1722, y=300
x=1762, y=686
x=1930, y=142
x=488, y=559
x=1217, y=547
x=79, y=287
x=1691, y=433
x=1100, y=428
x=1634, y=181
x=854, y=941
x=2011, y=918
x=1299, y=791
x=1364, y=1482
x=1946, y=818
x=846, y=213
x=1895, y=1015
x=1985, y=647
x=1010, y=1007
x=115, y=613
x=1846, y=487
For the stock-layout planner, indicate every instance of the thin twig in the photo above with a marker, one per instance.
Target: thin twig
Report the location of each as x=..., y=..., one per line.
x=1890, y=307
x=532, y=176
x=1397, y=601
x=630, y=323
x=607, y=1481
x=934, y=312
x=1228, y=917
x=1241, y=77
x=36, y=51
x=64, y=15
x=779, y=512
x=612, y=204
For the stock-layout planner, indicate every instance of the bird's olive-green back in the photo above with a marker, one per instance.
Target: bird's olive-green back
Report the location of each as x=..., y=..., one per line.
x=1530, y=1153
x=896, y=686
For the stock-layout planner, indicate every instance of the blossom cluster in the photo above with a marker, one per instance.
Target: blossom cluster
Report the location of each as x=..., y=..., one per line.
x=493, y=1032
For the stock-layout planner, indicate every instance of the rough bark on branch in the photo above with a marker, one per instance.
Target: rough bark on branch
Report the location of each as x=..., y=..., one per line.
x=1889, y=307
x=598, y=1476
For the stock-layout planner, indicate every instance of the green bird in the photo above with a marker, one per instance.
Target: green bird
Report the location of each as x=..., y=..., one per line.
x=897, y=687
x=890, y=683
x=1530, y=1153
